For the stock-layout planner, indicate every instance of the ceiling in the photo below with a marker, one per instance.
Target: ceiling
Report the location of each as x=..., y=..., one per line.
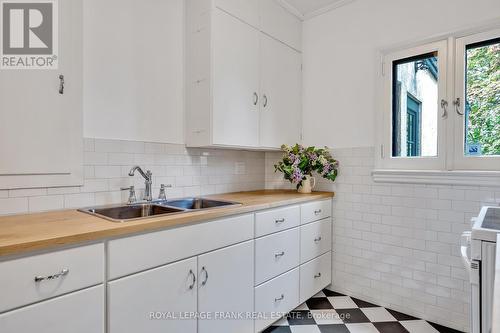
x=310, y=8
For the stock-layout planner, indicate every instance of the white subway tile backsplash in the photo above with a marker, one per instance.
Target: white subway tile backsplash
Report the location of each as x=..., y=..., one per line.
x=13, y=206
x=45, y=203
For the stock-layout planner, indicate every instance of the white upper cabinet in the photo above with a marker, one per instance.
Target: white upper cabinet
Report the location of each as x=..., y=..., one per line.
x=235, y=82
x=281, y=88
x=243, y=87
x=279, y=23
x=245, y=10
x=41, y=129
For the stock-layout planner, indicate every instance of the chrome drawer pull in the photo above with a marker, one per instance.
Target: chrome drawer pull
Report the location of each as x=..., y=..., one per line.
x=194, y=279
x=316, y=240
x=280, y=221
x=204, y=282
x=317, y=275
x=282, y=297
x=62, y=273
x=281, y=254
x=317, y=212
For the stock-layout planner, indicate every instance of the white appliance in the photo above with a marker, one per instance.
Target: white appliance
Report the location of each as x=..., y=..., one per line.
x=478, y=253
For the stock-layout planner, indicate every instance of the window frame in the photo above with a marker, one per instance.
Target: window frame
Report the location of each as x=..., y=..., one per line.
x=386, y=160
x=460, y=161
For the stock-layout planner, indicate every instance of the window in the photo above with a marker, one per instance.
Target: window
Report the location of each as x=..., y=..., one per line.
x=441, y=109
x=477, y=103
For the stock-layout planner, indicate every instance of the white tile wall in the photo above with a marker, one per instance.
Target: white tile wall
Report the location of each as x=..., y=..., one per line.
x=398, y=245
x=107, y=163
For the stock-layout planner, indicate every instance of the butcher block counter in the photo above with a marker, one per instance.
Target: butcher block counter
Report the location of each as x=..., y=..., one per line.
x=33, y=232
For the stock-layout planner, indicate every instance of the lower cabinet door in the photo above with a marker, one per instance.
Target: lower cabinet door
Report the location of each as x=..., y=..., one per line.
x=276, y=297
x=226, y=289
x=315, y=275
x=78, y=312
x=157, y=300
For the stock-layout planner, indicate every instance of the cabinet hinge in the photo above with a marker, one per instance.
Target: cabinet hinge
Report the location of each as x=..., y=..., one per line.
x=383, y=68
x=382, y=151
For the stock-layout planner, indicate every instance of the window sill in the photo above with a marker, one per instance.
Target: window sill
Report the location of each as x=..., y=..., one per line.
x=436, y=177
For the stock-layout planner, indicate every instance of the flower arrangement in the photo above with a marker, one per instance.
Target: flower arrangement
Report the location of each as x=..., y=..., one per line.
x=299, y=162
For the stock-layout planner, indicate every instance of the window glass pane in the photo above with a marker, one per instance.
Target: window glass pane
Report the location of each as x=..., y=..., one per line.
x=415, y=106
x=482, y=107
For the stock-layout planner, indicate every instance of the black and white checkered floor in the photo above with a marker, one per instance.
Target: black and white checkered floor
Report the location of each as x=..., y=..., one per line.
x=331, y=312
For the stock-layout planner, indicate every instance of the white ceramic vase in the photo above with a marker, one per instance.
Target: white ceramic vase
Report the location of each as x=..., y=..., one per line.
x=307, y=185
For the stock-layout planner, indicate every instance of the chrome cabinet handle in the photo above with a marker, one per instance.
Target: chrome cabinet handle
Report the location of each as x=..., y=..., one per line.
x=265, y=100
x=444, y=106
x=456, y=102
x=204, y=282
x=316, y=240
x=194, y=279
x=255, y=98
x=317, y=275
x=62, y=273
x=278, y=221
x=61, y=84
x=281, y=254
x=317, y=212
x=282, y=297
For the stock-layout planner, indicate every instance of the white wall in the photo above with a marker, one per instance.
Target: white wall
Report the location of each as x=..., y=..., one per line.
x=341, y=63
x=133, y=70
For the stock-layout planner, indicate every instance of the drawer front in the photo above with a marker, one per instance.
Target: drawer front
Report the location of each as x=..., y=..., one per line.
x=276, y=254
x=315, y=275
x=136, y=253
x=276, y=220
x=56, y=272
x=281, y=294
x=315, y=211
x=315, y=239
x=78, y=312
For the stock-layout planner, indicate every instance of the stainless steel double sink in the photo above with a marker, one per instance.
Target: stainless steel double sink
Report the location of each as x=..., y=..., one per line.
x=132, y=212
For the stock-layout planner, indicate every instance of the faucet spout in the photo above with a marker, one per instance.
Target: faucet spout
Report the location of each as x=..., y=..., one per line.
x=148, y=181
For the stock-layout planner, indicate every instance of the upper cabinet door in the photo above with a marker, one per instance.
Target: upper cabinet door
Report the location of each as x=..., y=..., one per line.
x=235, y=110
x=276, y=21
x=281, y=101
x=40, y=128
x=170, y=288
x=245, y=10
x=226, y=285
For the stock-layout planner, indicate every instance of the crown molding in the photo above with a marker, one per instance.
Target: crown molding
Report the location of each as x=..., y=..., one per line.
x=292, y=9
x=326, y=9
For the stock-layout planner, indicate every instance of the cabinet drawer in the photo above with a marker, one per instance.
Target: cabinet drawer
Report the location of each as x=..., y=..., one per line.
x=281, y=294
x=276, y=220
x=78, y=312
x=315, y=275
x=82, y=267
x=136, y=253
x=317, y=210
x=276, y=254
x=315, y=239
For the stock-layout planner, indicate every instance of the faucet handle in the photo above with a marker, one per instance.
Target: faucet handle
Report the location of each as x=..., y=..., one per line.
x=131, y=197
x=163, y=195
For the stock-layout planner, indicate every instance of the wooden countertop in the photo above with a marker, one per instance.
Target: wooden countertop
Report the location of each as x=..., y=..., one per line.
x=24, y=233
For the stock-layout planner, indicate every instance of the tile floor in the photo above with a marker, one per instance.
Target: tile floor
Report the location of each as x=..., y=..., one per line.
x=331, y=312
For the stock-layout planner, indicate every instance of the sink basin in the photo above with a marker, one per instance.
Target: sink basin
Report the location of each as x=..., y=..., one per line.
x=199, y=203
x=131, y=212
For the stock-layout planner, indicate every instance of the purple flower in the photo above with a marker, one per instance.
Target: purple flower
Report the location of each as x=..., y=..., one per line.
x=297, y=175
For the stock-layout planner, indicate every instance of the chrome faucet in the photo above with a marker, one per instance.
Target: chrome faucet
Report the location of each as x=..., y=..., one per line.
x=148, y=176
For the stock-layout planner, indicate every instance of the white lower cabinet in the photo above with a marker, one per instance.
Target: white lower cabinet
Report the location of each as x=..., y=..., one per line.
x=225, y=289
x=275, y=297
x=152, y=300
x=315, y=275
x=78, y=312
